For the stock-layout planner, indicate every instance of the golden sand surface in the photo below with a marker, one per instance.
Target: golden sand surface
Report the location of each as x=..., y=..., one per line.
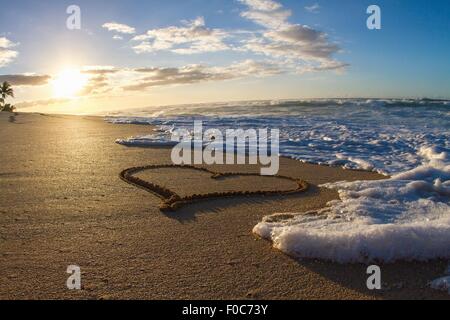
x=64, y=203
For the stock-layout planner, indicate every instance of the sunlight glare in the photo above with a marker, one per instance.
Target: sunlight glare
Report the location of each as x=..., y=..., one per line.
x=69, y=83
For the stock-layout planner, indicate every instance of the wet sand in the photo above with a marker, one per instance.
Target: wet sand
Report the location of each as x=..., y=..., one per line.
x=63, y=203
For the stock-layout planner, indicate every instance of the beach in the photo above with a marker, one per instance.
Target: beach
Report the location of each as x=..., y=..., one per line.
x=63, y=203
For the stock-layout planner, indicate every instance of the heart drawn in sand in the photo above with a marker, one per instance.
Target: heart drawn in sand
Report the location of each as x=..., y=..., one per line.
x=171, y=200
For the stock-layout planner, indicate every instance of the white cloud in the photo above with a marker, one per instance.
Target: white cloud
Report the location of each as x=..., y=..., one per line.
x=297, y=47
x=254, y=68
x=262, y=5
x=25, y=79
x=6, y=43
x=275, y=19
x=7, y=55
x=117, y=37
x=119, y=27
x=304, y=47
x=267, y=13
x=99, y=69
x=157, y=77
x=193, y=37
x=300, y=41
x=325, y=65
x=314, y=8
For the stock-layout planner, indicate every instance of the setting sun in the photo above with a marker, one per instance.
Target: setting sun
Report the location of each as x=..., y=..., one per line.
x=69, y=83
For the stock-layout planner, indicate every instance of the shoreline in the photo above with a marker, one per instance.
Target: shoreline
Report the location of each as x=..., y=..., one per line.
x=64, y=203
x=102, y=118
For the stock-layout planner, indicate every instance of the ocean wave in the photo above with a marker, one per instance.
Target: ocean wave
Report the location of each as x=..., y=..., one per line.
x=353, y=134
x=274, y=107
x=406, y=217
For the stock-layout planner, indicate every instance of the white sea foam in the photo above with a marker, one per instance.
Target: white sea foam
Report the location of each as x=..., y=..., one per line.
x=405, y=217
x=380, y=135
x=442, y=284
x=153, y=140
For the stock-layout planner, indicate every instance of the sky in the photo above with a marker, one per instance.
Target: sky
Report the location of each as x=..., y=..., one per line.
x=132, y=54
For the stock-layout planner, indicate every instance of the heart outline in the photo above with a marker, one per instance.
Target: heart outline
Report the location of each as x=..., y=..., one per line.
x=171, y=201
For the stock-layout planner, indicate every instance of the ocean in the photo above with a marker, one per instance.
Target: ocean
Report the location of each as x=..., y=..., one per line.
x=405, y=217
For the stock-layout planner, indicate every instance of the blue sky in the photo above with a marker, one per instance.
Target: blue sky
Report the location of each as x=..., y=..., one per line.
x=143, y=53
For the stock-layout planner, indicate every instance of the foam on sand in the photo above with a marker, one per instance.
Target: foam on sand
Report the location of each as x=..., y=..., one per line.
x=442, y=284
x=406, y=217
x=146, y=141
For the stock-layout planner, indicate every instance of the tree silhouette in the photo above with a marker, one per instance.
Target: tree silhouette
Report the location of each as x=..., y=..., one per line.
x=6, y=90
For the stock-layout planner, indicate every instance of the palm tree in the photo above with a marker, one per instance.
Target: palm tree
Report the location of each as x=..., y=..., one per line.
x=6, y=91
x=8, y=108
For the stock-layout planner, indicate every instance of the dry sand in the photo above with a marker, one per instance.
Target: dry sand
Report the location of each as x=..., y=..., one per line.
x=62, y=203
